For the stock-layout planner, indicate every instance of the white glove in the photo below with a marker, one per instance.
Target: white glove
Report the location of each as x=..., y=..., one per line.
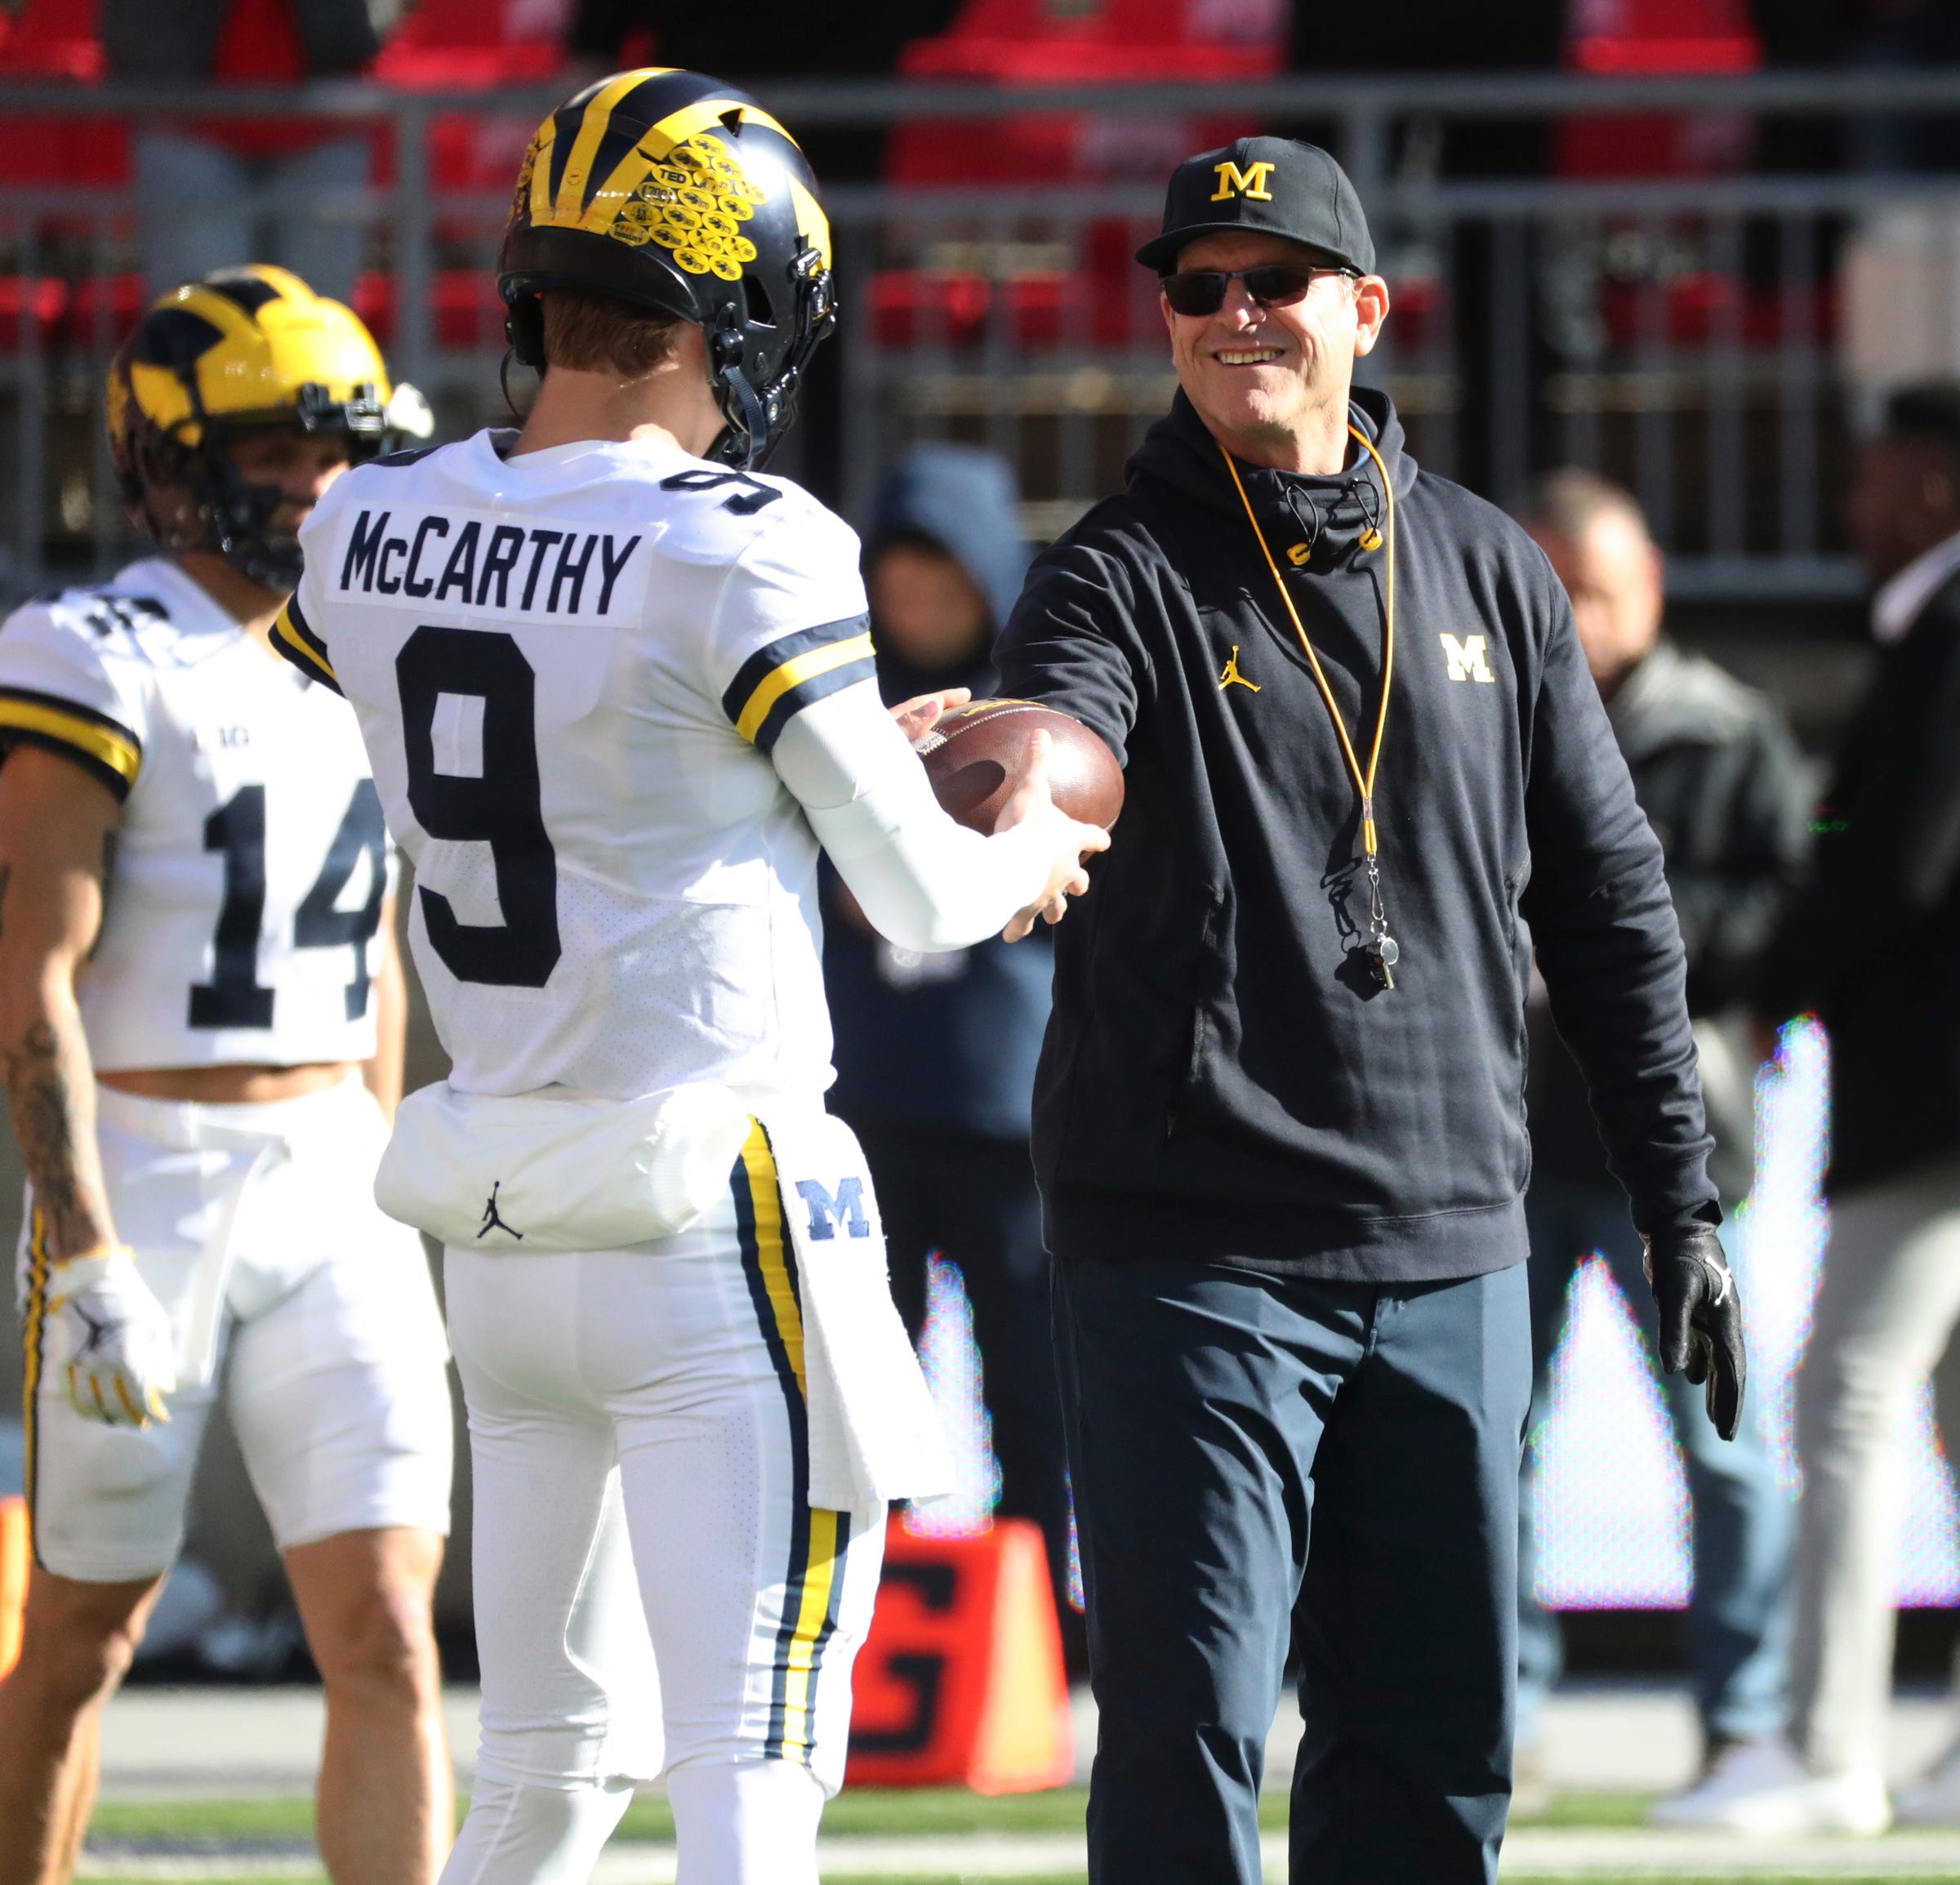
x=118, y=1347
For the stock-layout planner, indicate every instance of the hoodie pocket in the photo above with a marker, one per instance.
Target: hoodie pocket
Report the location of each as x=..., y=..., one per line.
x=1207, y=968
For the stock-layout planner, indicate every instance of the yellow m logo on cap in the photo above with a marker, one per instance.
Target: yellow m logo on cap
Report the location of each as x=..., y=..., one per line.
x=1250, y=181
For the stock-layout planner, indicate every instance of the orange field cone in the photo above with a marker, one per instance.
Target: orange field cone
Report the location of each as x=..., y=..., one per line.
x=960, y=1682
x=15, y=1557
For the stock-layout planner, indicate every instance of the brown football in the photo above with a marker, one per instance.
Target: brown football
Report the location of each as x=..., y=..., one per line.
x=973, y=751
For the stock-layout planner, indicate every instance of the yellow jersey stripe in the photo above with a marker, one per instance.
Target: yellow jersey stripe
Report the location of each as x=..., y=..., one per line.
x=295, y=647
x=793, y=673
x=116, y=751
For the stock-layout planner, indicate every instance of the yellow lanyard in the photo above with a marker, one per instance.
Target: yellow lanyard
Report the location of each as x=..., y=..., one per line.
x=1364, y=782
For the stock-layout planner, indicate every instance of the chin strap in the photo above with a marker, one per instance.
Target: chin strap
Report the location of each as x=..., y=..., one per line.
x=746, y=440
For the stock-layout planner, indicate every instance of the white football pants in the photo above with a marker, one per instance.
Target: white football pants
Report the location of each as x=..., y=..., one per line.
x=662, y=1386
x=255, y=1226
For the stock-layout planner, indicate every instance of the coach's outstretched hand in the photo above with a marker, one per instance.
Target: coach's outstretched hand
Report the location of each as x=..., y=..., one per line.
x=1073, y=841
x=1700, y=1318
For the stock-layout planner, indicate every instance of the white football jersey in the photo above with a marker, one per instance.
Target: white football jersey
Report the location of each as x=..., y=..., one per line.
x=571, y=667
x=250, y=873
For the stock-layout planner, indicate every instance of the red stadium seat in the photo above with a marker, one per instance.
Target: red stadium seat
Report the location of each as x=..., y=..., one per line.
x=114, y=303
x=1034, y=42
x=1025, y=42
x=1661, y=38
x=465, y=314
x=467, y=45
x=34, y=307
x=51, y=39
x=56, y=40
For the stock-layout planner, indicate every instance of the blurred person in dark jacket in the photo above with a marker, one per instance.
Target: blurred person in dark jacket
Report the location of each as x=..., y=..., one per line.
x=1871, y=949
x=1721, y=783
x=219, y=191
x=936, y=1054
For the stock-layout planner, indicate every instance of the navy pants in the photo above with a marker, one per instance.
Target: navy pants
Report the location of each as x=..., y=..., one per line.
x=1262, y=1462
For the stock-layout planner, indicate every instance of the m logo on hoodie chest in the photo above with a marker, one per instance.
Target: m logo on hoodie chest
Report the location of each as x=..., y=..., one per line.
x=1466, y=657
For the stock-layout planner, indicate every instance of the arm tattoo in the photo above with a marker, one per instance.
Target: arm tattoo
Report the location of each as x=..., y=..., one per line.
x=41, y=1089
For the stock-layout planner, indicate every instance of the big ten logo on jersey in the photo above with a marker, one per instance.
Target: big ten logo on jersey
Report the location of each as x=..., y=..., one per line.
x=485, y=565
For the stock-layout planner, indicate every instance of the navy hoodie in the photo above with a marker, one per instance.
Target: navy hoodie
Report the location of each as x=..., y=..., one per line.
x=949, y=1039
x=1222, y=1078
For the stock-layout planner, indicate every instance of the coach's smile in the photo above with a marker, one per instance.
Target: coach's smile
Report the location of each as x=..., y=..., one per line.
x=1254, y=370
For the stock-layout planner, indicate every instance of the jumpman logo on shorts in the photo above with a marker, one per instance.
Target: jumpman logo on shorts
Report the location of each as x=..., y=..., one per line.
x=492, y=1221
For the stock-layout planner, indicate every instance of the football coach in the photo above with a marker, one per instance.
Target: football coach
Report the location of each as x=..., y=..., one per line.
x=1279, y=1123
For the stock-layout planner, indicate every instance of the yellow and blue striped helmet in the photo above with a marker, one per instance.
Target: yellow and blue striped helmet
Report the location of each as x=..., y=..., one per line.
x=678, y=194
x=245, y=348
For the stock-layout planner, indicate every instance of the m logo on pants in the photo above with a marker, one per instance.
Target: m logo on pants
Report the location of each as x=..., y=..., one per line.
x=826, y=1209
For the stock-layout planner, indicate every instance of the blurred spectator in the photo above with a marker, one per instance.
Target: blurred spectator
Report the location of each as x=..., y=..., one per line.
x=779, y=39
x=222, y=193
x=1721, y=781
x=1871, y=947
x=936, y=1053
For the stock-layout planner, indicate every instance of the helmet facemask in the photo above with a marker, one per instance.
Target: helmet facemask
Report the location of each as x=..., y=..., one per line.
x=758, y=415
x=195, y=497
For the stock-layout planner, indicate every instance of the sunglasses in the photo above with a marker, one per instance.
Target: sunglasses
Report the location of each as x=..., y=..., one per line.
x=1270, y=285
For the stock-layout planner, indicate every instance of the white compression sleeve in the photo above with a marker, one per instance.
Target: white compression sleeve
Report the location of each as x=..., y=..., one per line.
x=925, y=882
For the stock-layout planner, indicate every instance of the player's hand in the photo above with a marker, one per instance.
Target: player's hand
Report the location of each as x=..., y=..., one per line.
x=116, y=1339
x=1073, y=840
x=1700, y=1318
x=917, y=717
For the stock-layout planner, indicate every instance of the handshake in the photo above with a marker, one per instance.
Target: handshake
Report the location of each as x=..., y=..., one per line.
x=995, y=765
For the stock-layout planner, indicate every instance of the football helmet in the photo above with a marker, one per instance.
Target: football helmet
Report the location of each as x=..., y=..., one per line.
x=677, y=193
x=245, y=349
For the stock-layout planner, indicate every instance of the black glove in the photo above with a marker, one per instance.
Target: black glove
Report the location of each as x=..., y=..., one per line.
x=1700, y=1317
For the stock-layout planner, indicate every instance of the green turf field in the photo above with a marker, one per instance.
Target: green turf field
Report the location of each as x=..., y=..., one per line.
x=1076, y=1877
x=278, y=1831
x=905, y=1812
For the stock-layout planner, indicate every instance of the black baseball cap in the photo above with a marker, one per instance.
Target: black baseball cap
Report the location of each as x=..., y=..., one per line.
x=1274, y=185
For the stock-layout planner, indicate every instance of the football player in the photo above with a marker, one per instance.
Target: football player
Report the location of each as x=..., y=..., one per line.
x=616, y=686
x=201, y=1023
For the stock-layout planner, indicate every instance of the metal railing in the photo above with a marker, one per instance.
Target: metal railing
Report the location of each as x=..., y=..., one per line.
x=1684, y=334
